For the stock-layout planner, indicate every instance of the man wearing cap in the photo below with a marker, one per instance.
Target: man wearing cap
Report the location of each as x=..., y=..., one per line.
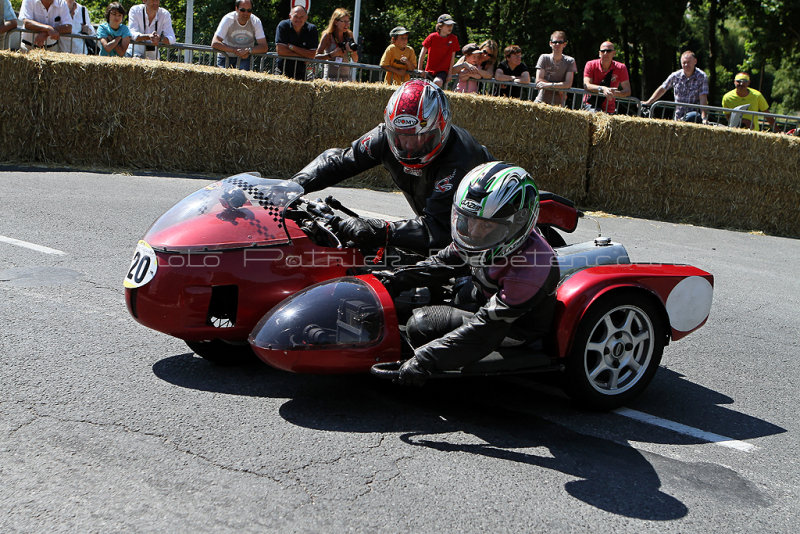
x=690, y=85
x=295, y=37
x=398, y=59
x=744, y=95
x=47, y=19
x=440, y=49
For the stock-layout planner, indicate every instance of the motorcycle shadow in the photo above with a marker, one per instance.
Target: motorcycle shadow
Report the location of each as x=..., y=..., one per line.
x=519, y=419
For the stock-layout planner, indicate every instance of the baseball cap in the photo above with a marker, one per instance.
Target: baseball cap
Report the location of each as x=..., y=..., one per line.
x=742, y=77
x=470, y=48
x=397, y=31
x=445, y=19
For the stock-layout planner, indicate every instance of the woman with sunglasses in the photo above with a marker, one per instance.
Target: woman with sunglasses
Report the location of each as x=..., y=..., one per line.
x=555, y=71
x=239, y=35
x=337, y=45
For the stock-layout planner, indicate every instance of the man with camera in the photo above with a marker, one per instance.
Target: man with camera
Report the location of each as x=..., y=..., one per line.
x=149, y=23
x=295, y=37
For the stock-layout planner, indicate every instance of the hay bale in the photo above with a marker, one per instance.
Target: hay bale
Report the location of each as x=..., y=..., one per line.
x=704, y=175
x=550, y=142
x=342, y=112
x=21, y=109
x=172, y=116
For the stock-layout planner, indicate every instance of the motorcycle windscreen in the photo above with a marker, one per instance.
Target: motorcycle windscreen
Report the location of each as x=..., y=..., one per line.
x=239, y=211
x=344, y=312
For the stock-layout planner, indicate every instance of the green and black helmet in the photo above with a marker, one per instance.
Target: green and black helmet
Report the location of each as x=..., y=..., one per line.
x=494, y=210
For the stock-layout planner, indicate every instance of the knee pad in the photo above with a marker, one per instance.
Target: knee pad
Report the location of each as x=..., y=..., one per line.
x=428, y=323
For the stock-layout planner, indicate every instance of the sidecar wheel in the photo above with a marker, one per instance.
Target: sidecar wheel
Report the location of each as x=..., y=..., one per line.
x=616, y=351
x=221, y=353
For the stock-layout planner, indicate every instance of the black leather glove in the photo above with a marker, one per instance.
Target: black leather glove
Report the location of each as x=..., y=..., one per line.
x=363, y=232
x=412, y=373
x=233, y=199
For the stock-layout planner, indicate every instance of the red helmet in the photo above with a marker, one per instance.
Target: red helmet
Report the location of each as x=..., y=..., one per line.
x=417, y=121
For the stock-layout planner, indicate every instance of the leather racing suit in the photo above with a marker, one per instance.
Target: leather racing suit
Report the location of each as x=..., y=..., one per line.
x=428, y=190
x=518, y=303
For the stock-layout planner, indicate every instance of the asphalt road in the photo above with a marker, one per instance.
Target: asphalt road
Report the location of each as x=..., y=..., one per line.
x=107, y=426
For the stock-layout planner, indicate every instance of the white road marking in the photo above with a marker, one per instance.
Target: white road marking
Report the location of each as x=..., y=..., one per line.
x=687, y=430
x=32, y=246
x=375, y=215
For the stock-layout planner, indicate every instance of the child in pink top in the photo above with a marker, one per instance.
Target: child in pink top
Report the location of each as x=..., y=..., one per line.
x=440, y=48
x=468, y=70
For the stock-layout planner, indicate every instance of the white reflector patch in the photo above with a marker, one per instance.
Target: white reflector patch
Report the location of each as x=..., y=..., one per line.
x=689, y=303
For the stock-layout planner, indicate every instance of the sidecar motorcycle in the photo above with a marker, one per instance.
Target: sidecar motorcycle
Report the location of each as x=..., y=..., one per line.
x=247, y=265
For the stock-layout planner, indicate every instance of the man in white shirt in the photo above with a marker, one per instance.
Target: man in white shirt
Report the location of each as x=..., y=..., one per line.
x=151, y=25
x=239, y=35
x=46, y=20
x=79, y=18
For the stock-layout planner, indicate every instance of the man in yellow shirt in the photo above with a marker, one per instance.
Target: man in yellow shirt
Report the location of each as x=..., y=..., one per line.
x=399, y=58
x=744, y=95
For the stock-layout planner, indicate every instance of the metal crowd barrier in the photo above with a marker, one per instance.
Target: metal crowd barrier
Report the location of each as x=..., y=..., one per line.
x=664, y=109
x=365, y=73
x=575, y=97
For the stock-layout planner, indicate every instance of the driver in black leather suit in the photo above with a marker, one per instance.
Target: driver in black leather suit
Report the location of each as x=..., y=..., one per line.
x=426, y=156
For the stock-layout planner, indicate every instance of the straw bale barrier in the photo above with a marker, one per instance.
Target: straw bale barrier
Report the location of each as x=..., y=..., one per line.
x=114, y=112
x=698, y=174
x=549, y=142
x=20, y=107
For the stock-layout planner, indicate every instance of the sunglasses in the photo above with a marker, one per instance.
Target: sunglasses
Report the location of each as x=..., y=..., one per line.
x=741, y=81
x=557, y=42
x=607, y=51
x=243, y=10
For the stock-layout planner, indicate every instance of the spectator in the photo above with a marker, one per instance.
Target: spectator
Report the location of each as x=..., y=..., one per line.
x=8, y=21
x=81, y=23
x=337, y=44
x=295, y=37
x=440, y=48
x=48, y=20
x=398, y=59
x=114, y=35
x=607, y=78
x=744, y=95
x=512, y=70
x=689, y=84
x=149, y=22
x=239, y=35
x=467, y=69
x=488, y=64
x=555, y=71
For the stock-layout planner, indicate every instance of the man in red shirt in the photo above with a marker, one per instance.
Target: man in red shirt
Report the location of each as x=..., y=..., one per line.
x=607, y=78
x=440, y=47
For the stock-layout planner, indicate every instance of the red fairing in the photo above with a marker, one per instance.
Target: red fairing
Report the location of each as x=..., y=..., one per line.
x=333, y=358
x=558, y=214
x=683, y=291
x=178, y=300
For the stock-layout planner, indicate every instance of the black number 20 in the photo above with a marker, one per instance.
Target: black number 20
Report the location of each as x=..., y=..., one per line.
x=139, y=267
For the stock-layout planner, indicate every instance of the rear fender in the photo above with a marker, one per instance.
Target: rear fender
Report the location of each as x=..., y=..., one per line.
x=683, y=292
x=557, y=211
